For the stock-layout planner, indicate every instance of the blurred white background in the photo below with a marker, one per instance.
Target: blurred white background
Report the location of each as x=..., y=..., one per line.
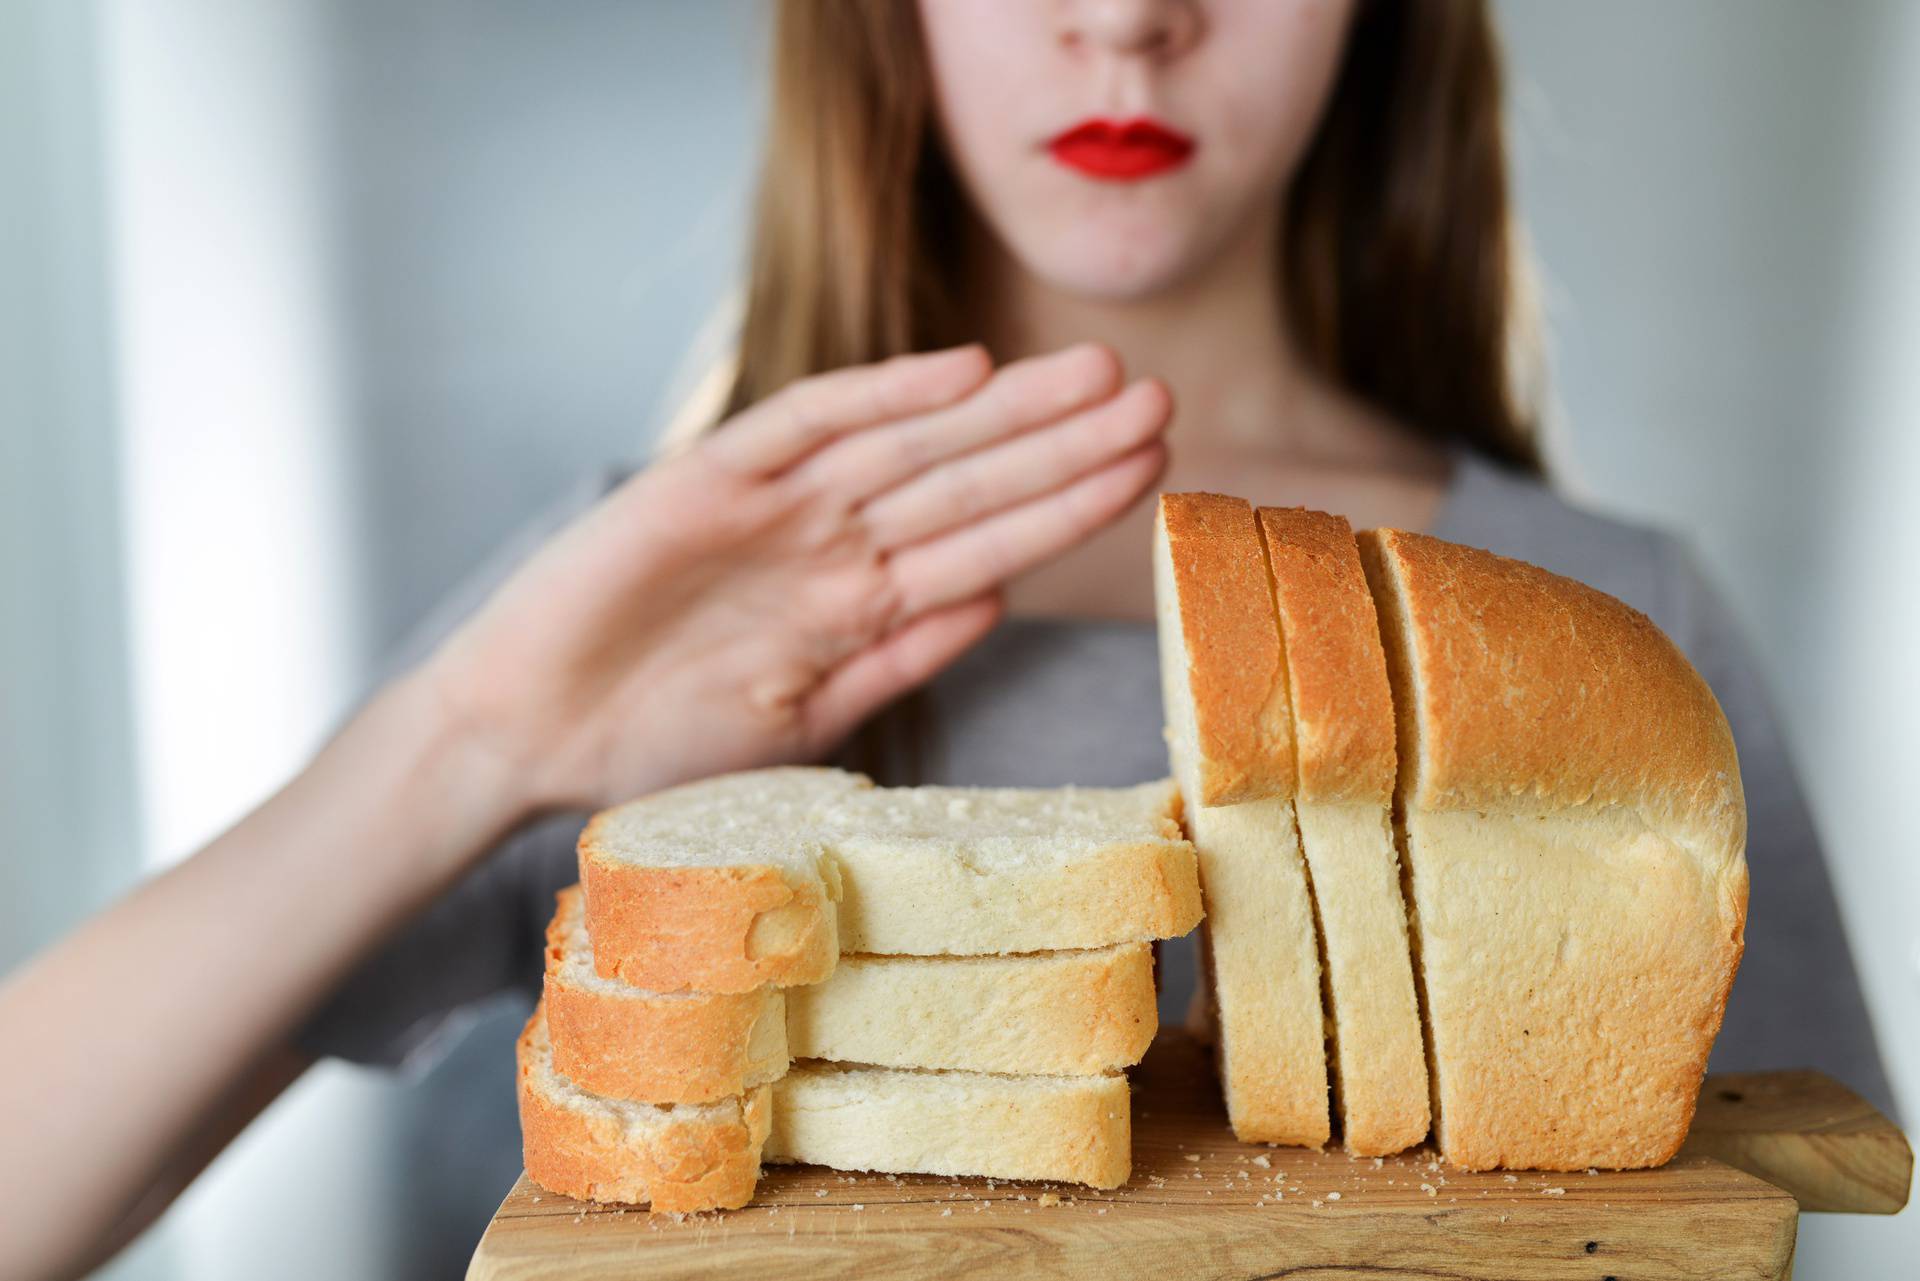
x=309, y=303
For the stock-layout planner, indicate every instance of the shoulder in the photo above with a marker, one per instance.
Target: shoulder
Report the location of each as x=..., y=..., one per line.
x=1516, y=515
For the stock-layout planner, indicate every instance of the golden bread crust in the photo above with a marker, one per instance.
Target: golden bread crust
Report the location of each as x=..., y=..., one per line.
x=1538, y=693
x=676, y=929
x=680, y=1167
x=1336, y=671
x=1236, y=674
x=636, y=1044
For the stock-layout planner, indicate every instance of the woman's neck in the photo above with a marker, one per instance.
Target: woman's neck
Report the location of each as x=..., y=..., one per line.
x=1220, y=341
x=1251, y=417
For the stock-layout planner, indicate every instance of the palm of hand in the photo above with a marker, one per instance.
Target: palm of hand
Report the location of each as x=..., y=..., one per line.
x=751, y=601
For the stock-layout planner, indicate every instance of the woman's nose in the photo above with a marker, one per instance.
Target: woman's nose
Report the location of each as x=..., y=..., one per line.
x=1150, y=28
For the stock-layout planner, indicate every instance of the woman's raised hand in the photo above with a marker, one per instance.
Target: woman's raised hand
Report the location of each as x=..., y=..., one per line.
x=752, y=600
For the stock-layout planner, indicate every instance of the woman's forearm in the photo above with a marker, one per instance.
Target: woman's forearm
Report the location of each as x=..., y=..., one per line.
x=143, y=1018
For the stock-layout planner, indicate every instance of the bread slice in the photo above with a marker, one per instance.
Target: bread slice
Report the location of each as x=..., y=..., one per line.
x=1230, y=737
x=977, y=871
x=716, y=886
x=764, y=877
x=625, y=1042
x=1060, y=1013
x=675, y=1157
x=1575, y=831
x=1052, y=1013
x=1344, y=743
x=1074, y=1129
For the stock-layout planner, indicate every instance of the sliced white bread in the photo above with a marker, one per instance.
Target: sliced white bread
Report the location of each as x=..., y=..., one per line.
x=764, y=877
x=677, y=1158
x=717, y=886
x=1073, y=1129
x=618, y=1040
x=1047, y=1013
x=978, y=871
x=1230, y=737
x=1056, y=1013
x=1343, y=734
x=1574, y=828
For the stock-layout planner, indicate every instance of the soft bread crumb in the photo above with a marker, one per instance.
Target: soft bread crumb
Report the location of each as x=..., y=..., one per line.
x=1048, y=1198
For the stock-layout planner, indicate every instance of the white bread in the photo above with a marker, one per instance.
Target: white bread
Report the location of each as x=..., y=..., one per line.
x=764, y=877
x=1058, y=1013
x=1344, y=744
x=625, y=1042
x=675, y=1157
x=1074, y=1129
x=1230, y=737
x=1574, y=829
x=1050, y=1013
x=716, y=886
x=978, y=871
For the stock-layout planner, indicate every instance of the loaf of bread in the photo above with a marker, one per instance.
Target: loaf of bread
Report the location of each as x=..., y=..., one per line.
x=675, y=1157
x=1074, y=1129
x=1230, y=738
x=1074, y=1012
x=1517, y=821
x=1575, y=831
x=1343, y=734
x=765, y=877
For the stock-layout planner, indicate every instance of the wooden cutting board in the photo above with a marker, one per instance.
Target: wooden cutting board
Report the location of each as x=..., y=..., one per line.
x=1201, y=1204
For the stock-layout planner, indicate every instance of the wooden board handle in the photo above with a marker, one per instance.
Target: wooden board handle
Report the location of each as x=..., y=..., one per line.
x=1804, y=1132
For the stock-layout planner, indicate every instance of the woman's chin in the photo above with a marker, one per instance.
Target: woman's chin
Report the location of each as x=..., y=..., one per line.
x=1112, y=273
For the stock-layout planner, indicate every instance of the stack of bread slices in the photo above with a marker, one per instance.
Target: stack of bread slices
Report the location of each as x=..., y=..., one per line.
x=796, y=965
x=1471, y=841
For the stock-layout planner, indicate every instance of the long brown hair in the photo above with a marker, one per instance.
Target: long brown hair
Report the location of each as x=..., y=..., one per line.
x=1400, y=259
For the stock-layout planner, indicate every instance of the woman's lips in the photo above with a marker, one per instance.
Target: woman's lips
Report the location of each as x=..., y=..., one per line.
x=1121, y=150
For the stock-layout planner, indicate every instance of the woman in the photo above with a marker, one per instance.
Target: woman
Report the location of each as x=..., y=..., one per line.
x=1292, y=214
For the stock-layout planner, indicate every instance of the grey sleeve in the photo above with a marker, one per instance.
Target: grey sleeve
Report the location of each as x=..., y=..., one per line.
x=410, y=1000
x=1797, y=1001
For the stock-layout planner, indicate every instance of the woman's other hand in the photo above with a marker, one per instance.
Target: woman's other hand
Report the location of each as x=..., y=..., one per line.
x=752, y=600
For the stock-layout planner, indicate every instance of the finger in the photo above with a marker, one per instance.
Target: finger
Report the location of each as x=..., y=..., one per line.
x=1022, y=396
x=901, y=660
x=973, y=558
x=963, y=490
x=800, y=418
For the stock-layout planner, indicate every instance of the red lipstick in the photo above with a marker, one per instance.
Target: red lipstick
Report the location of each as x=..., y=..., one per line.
x=1121, y=150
